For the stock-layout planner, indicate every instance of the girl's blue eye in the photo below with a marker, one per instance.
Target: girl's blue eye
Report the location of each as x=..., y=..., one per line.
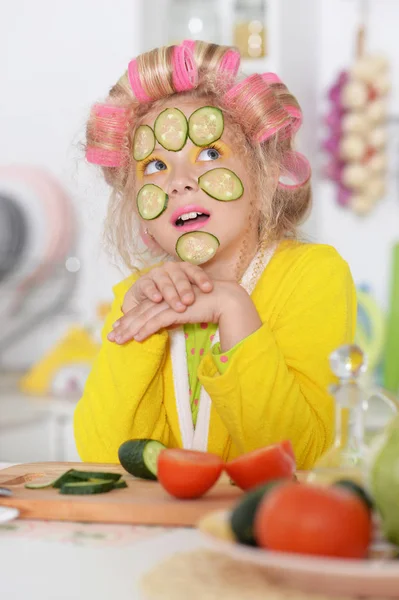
x=209, y=154
x=154, y=166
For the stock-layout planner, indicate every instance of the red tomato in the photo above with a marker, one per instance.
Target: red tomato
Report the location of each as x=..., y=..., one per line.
x=187, y=473
x=260, y=466
x=310, y=519
x=287, y=446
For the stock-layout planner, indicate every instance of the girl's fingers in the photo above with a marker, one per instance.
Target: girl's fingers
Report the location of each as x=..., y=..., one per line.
x=129, y=324
x=198, y=277
x=168, y=290
x=183, y=286
x=149, y=290
x=156, y=322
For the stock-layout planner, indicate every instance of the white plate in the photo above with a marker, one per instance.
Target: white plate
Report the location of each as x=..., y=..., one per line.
x=374, y=577
x=8, y=514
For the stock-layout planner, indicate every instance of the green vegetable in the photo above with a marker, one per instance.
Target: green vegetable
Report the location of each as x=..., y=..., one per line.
x=151, y=201
x=221, y=184
x=243, y=516
x=171, y=129
x=140, y=457
x=143, y=143
x=357, y=490
x=87, y=487
x=197, y=247
x=384, y=479
x=205, y=126
x=82, y=482
x=86, y=475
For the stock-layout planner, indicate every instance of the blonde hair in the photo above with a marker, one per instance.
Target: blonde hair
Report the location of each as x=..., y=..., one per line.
x=264, y=117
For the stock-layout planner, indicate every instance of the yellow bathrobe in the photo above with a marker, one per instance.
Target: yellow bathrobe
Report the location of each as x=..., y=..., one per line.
x=276, y=385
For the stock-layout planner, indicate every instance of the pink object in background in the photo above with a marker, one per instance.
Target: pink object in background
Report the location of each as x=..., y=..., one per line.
x=344, y=196
x=331, y=144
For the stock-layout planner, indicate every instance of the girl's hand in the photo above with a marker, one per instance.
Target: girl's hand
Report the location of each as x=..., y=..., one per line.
x=149, y=317
x=172, y=283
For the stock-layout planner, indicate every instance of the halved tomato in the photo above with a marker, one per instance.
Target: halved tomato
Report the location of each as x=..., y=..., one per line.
x=316, y=520
x=261, y=466
x=188, y=473
x=288, y=447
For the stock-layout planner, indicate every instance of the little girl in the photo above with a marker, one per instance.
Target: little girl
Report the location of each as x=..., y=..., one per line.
x=223, y=346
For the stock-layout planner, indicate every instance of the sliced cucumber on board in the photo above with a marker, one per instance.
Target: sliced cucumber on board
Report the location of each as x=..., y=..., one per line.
x=87, y=487
x=143, y=143
x=85, y=475
x=205, y=125
x=151, y=201
x=82, y=482
x=140, y=457
x=197, y=247
x=221, y=184
x=171, y=129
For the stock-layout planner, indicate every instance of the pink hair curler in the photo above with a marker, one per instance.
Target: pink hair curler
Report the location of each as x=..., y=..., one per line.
x=135, y=83
x=294, y=112
x=241, y=98
x=185, y=72
x=271, y=78
x=296, y=167
x=109, y=124
x=190, y=44
x=104, y=158
x=230, y=62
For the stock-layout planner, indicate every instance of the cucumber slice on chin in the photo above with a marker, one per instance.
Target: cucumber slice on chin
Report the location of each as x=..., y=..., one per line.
x=205, y=126
x=171, y=129
x=197, y=247
x=221, y=184
x=151, y=201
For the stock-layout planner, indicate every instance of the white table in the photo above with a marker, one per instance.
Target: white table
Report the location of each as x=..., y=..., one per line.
x=73, y=561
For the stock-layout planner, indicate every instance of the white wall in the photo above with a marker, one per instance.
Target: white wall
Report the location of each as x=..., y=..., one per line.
x=364, y=242
x=56, y=59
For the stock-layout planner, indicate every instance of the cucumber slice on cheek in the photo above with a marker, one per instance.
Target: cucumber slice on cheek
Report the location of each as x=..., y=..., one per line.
x=143, y=143
x=171, y=129
x=197, y=247
x=221, y=184
x=205, y=125
x=151, y=201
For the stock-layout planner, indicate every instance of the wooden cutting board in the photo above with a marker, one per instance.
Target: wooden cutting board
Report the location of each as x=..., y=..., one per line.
x=141, y=503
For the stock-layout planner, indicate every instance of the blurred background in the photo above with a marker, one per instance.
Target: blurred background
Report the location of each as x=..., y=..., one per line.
x=341, y=60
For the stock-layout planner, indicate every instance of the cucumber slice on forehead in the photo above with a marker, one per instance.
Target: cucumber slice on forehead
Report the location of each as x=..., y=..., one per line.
x=221, y=184
x=143, y=143
x=205, y=125
x=171, y=129
x=197, y=247
x=151, y=201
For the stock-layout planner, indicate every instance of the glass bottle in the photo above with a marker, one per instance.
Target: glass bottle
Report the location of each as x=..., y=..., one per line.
x=345, y=458
x=249, y=28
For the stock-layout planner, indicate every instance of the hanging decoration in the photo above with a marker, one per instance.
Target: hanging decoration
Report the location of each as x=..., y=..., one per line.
x=357, y=129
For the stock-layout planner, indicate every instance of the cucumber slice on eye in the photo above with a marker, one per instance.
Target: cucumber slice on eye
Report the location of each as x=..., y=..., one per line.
x=143, y=143
x=171, y=129
x=221, y=184
x=205, y=125
x=197, y=247
x=151, y=201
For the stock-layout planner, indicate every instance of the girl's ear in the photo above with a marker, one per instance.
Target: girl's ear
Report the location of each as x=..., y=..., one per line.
x=150, y=242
